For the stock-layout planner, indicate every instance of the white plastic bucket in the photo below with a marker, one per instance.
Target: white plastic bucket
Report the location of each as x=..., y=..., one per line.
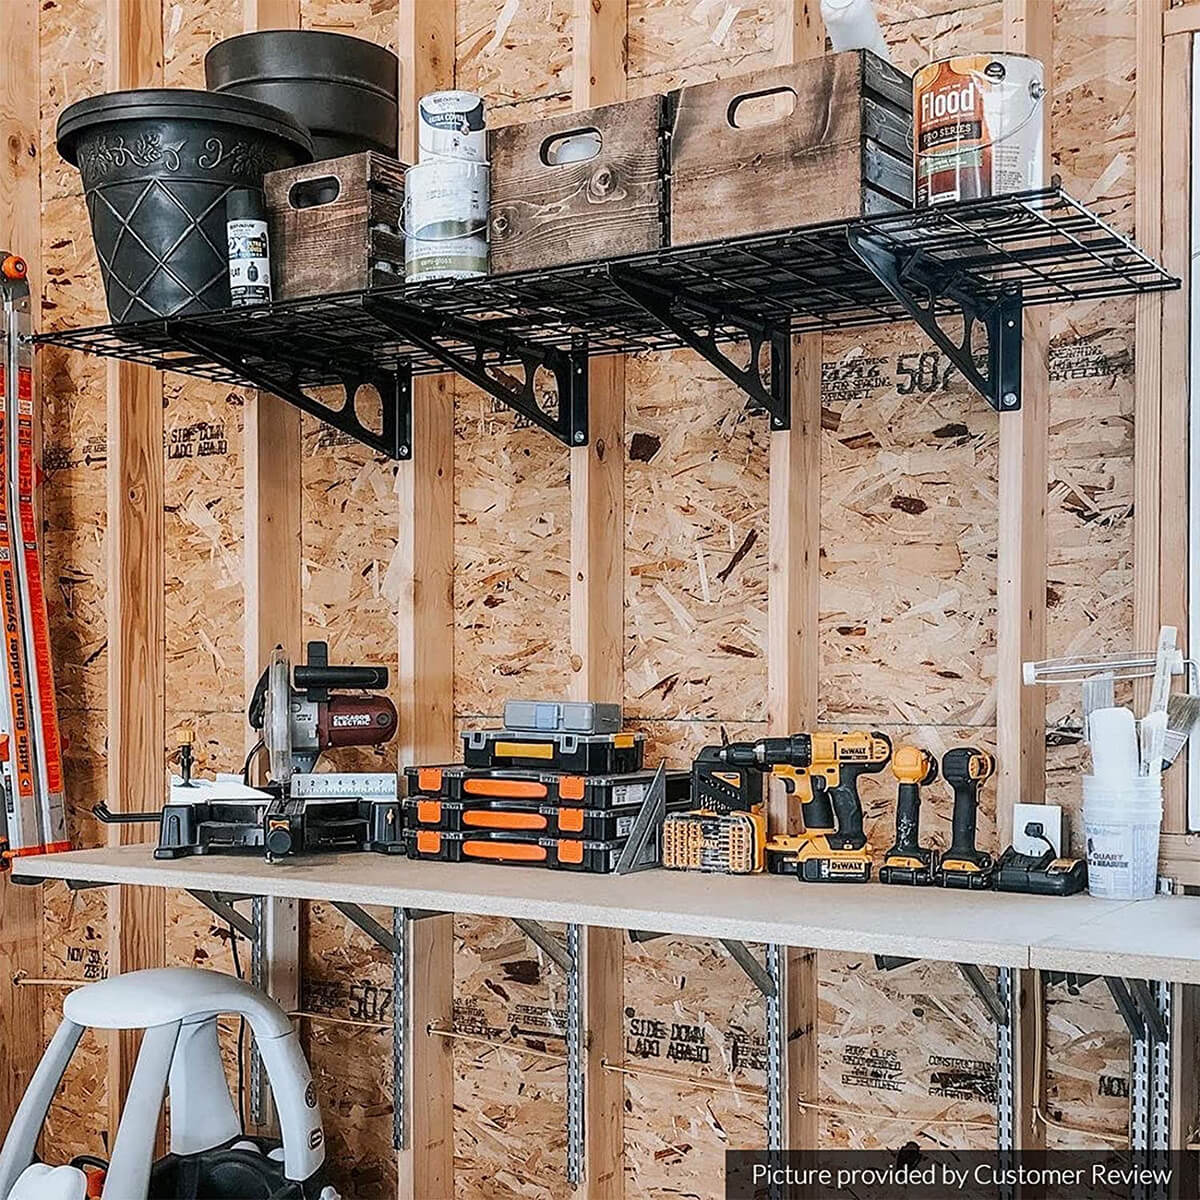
x=450, y=125
x=1122, y=821
x=445, y=220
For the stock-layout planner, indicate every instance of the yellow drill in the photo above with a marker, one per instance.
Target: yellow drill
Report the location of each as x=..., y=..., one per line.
x=822, y=769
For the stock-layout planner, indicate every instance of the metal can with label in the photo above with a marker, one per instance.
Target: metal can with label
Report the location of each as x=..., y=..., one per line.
x=977, y=127
x=450, y=125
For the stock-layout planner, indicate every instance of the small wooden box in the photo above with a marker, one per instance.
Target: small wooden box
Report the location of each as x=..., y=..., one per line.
x=546, y=212
x=844, y=149
x=336, y=226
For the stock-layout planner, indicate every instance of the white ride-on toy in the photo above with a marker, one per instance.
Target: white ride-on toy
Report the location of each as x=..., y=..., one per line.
x=210, y=1158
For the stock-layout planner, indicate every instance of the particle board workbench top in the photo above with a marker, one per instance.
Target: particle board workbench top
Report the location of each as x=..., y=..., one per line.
x=1156, y=939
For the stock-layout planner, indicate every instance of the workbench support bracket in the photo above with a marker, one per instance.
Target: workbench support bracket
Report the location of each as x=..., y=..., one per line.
x=383, y=938
x=222, y=906
x=545, y=941
x=989, y=995
x=758, y=975
x=637, y=936
x=394, y=437
x=576, y=1034
x=777, y=1044
x=775, y=398
x=401, y=1027
x=1008, y=995
x=925, y=287
x=489, y=363
x=1150, y=1082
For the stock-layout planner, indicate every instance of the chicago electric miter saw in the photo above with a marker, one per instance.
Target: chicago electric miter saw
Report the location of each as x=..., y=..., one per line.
x=299, y=714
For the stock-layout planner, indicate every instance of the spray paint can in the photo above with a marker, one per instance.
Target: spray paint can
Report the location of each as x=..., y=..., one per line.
x=450, y=125
x=977, y=127
x=249, y=248
x=446, y=219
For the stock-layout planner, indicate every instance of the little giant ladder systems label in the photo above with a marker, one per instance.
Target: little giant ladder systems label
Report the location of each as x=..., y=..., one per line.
x=31, y=758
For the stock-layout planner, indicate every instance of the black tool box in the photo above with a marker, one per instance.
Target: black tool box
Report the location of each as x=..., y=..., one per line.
x=565, y=820
x=566, y=854
x=477, y=784
x=279, y=827
x=587, y=754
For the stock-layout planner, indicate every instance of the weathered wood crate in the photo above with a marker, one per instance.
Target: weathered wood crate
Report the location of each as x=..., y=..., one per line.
x=578, y=186
x=336, y=226
x=820, y=140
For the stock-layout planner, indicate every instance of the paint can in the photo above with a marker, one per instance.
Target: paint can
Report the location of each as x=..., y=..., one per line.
x=977, y=127
x=445, y=220
x=450, y=125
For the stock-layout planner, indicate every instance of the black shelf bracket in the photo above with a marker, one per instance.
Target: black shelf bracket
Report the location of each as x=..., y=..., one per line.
x=660, y=303
x=394, y=436
x=922, y=285
x=494, y=360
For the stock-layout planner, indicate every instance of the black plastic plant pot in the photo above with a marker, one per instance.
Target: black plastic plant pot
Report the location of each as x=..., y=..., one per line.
x=157, y=166
x=342, y=89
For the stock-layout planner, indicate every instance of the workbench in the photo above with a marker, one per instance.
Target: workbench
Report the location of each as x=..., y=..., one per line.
x=1150, y=939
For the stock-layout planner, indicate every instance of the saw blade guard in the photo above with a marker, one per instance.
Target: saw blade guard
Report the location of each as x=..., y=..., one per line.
x=277, y=726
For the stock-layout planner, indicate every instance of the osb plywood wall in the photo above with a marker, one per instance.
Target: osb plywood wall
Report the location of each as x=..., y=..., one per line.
x=907, y=620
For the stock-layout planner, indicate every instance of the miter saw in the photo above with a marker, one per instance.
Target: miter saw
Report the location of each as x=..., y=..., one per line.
x=298, y=715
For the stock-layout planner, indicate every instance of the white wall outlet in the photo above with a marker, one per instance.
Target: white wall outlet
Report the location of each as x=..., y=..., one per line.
x=1049, y=816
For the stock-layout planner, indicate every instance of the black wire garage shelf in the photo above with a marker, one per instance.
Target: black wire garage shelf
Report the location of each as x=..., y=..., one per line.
x=963, y=272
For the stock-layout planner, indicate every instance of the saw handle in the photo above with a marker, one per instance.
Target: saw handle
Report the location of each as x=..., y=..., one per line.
x=106, y=816
x=371, y=679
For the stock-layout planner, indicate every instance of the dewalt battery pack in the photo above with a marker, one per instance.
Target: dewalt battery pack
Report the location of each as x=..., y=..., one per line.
x=585, y=754
x=469, y=784
x=566, y=854
x=726, y=843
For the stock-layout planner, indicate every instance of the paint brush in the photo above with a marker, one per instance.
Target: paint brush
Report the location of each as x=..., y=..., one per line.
x=1183, y=715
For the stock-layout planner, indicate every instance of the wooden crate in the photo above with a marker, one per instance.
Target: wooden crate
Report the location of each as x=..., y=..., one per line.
x=336, y=226
x=843, y=150
x=544, y=213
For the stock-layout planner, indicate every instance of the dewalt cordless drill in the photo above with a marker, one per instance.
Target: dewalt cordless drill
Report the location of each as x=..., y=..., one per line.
x=966, y=769
x=833, y=847
x=908, y=861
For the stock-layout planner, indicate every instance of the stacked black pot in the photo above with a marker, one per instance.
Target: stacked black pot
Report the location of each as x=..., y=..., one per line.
x=158, y=164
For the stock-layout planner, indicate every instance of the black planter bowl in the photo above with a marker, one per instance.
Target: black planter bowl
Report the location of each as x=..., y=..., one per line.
x=157, y=166
x=342, y=89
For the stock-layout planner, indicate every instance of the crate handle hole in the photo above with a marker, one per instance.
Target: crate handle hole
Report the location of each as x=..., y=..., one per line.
x=575, y=146
x=312, y=193
x=761, y=108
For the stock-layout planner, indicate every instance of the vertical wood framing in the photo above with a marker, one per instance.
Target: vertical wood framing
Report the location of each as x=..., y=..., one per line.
x=793, y=611
x=136, y=648
x=20, y=226
x=1021, y=603
x=1176, y=165
x=271, y=572
x=425, y=485
x=598, y=628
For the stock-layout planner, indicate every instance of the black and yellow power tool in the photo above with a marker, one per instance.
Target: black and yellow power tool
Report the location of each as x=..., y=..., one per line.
x=908, y=861
x=966, y=769
x=833, y=847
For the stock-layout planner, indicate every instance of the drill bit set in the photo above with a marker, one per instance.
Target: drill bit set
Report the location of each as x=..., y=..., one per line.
x=560, y=785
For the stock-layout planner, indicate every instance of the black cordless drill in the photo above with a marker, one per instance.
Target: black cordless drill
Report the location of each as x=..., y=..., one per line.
x=966, y=769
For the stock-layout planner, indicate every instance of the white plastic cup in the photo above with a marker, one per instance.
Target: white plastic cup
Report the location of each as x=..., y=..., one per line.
x=1122, y=818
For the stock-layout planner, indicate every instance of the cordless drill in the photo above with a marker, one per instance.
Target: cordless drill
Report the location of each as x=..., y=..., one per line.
x=908, y=861
x=790, y=760
x=833, y=848
x=966, y=769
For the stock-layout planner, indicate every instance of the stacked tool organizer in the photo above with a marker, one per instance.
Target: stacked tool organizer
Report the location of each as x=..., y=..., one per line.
x=560, y=785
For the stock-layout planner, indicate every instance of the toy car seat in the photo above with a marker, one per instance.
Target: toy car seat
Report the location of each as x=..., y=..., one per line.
x=210, y=1158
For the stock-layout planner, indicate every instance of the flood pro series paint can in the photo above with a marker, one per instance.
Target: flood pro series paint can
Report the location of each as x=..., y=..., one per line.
x=977, y=127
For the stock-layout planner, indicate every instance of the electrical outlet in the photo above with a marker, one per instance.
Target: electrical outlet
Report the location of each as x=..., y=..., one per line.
x=1049, y=816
